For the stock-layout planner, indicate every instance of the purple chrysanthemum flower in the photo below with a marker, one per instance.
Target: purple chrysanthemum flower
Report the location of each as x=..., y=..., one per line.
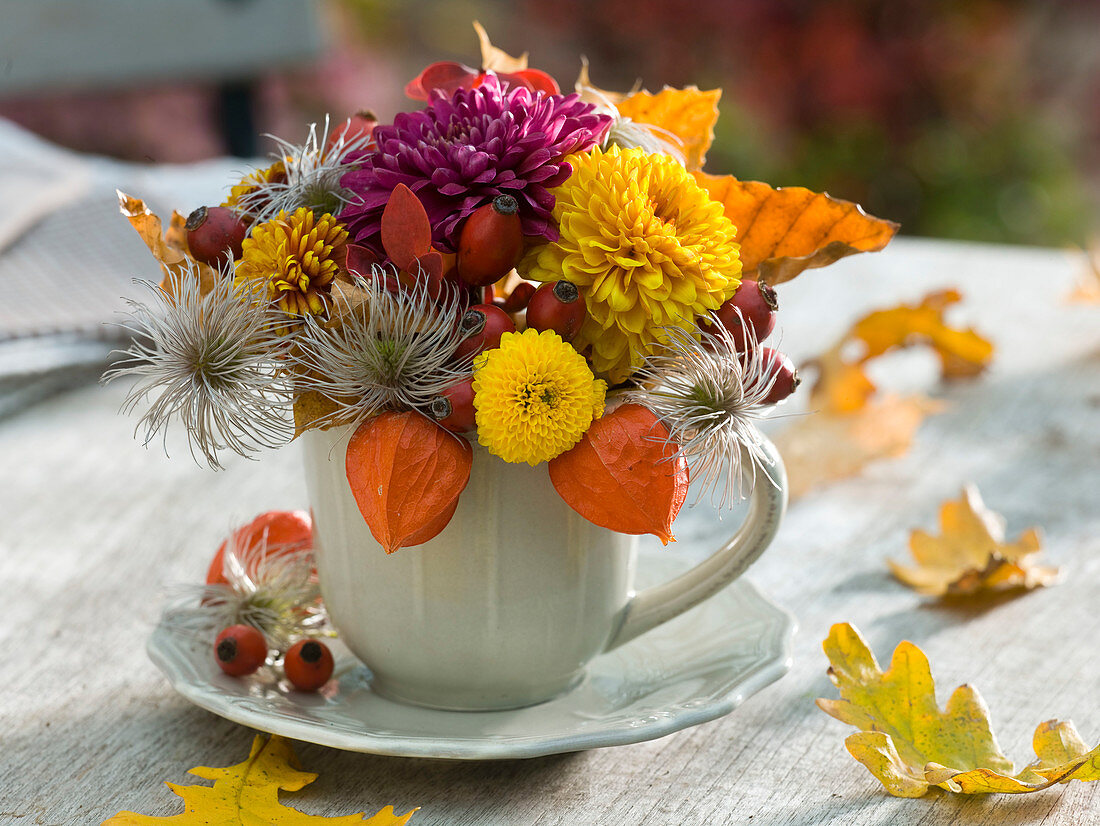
x=462, y=151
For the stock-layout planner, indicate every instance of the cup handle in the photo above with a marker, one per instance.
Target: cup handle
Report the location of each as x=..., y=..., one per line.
x=660, y=603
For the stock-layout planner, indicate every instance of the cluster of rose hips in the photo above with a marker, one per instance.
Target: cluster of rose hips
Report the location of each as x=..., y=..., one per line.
x=491, y=244
x=754, y=306
x=240, y=650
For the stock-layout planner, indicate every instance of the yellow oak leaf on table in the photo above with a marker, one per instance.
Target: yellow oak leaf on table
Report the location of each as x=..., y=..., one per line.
x=971, y=553
x=909, y=744
x=168, y=247
x=689, y=113
x=784, y=231
x=853, y=424
x=248, y=793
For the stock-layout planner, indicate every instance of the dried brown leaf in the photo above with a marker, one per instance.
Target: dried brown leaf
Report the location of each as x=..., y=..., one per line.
x=168, y=247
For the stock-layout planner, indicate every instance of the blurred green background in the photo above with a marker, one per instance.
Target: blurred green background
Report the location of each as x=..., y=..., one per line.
x=976, y=120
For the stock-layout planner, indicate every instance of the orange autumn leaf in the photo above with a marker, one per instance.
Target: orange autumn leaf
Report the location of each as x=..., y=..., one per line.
x=168, y=247
x=909, y=744
x=1087, y=288
x=843, y=386
x=971, y=553
x=961, y=352
x=622, y=475
x=249, y=793
x=689, y=114
x=783, y=231
x=826, y=447
x=406, y=473
x=852, y=424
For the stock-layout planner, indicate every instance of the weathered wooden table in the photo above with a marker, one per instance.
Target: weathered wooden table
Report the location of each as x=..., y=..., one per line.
x=94, y=528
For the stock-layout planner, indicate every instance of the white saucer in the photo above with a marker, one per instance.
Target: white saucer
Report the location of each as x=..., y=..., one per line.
x=693, y=669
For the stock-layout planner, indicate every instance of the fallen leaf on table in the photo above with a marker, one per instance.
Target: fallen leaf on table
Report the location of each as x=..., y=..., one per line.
x=910, y=745
x=852, y=424
x=249, y=793
x=169, y=248
x=824, y=448
x=962, y=353
x=689, y=114
x=1087, y=288
x=783, y=231
x=971, y=553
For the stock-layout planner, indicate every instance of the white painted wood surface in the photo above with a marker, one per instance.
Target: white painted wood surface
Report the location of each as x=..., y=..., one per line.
x=93, y=528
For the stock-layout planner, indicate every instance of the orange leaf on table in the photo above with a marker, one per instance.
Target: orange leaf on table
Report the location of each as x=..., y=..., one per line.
x=624, y=474
x=249, y=793
x=1087, y=288
x=910, y=745
x=823, y=447
x=169, y=247
x=852, y=423
x=971, y=553
x=689, y=114
x=783, y=231
x=406, y=473
x=962, y=352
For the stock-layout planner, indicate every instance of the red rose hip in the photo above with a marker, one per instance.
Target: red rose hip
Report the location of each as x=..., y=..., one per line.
x=483, y=324
x=240, y=650
x=782, y=368
x=308, y=665
x=214, y=233
x=491, y=242
x=454, y=407
x=557, y=306
x=758, y=304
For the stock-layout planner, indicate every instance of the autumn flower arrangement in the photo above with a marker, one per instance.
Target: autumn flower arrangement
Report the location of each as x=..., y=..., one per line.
x=550, y=276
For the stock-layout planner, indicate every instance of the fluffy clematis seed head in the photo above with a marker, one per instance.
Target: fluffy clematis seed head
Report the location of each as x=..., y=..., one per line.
x=462, y=151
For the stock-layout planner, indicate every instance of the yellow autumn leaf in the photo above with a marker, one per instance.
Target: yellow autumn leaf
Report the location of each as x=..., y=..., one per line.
x=971, y=553
x=783, y=231
x=249, y=793
x=497, y=60
x=909, y=744
x=168, y=247
x=590, y=93
x=689, y=114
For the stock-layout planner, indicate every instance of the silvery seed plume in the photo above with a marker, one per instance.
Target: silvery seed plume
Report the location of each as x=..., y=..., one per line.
x=313, y=176
x=393, y=351
x=271, y=587
x=208, y=361
x=710, y=399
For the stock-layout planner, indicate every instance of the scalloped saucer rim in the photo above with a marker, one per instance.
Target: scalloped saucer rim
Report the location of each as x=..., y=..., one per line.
x=628, y=695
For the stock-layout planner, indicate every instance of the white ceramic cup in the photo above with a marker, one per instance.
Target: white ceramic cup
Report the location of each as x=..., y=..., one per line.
x=506, y=606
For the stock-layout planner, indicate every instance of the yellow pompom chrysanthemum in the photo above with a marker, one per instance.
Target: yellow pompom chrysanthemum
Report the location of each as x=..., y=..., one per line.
x=534, y=397
x=292, y=259
x=646, y=246
x=276, y=173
